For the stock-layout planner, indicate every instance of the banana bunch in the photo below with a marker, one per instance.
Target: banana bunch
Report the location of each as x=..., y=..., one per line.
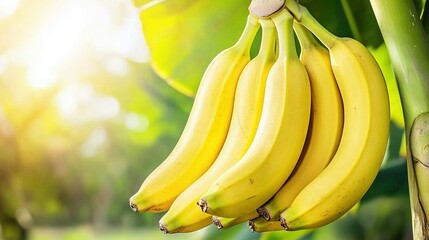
x=281, y=140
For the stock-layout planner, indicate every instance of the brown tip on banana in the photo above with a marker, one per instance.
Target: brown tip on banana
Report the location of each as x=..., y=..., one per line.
x=163, y=228
x=264, y=213
x=217, y=222
x=251, y=225
x=283, y=223
x=133, y=206
x=203, y=205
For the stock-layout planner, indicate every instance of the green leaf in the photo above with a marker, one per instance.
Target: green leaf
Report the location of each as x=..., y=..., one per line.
x=420, y=6
x=363, y=24
x=390, y=181
x=425, y=18
x=330, y=14
x=185, y=35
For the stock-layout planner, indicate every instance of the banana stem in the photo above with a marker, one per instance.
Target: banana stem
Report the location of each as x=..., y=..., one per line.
x=304, y=17
x=408, y=48
x=284, y=25
x=268, y=42
x=305, y=37
x=245, y=41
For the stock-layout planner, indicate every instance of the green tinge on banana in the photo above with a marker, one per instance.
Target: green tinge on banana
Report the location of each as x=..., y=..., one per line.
x=278, y=141
x=366, y=129
x=205, y=131
x=184, y=215
x=325, y=128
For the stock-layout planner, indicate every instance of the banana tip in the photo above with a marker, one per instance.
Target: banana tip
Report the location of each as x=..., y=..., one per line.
x=217, y=222
x=203, y=205
x=263, y=212
x=163, y=228
x=133, y=206
x=284, y=224
x=251, y=225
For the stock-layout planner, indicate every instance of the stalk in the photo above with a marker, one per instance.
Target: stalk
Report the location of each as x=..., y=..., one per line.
x=408, y=48
x=285, y=33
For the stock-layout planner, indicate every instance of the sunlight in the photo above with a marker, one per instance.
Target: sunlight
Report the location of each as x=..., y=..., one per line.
x=56, y=44
x=136, y=122
x=79, y=103
x=71, y=45
x=94, y=142
x=8, y=7
x=116, y=66
x=3, y=64
x=83, y=36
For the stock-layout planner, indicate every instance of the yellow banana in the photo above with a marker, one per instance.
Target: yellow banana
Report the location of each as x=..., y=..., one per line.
x=225, y=222
x=326, y=124
x=366, y=128
x=184, y=215
x=261, y=225
x=279, y=138
x=205, y=130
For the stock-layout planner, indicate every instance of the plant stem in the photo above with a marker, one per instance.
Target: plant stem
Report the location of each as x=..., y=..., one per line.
x=408, y=48
x=304, y=17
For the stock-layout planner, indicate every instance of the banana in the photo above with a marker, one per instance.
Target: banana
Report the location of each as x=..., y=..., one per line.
x=184, y=215
x=326, y=124
x=279, y=138
x=259, y=224
x=225, y=222
x=366, y=128
x=205, y=130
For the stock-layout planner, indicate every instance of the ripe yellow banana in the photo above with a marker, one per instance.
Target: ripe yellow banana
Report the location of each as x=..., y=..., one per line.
x=279, y=138
x=259, y=224
x=184, y=214
x=366, y=128
x=326, y=124
x=225, y=222
x=205, y=130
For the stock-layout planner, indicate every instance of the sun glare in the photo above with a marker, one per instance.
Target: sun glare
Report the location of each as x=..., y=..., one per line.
x=72, y=44
x=7, y=8
x=81, y=100
x=80, y=36
x=57, y=44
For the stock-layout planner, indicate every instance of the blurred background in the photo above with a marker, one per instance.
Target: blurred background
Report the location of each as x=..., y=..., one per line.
x=95, y=93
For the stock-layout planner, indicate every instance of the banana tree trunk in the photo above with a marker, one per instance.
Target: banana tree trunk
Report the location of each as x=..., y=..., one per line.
x=408, y=48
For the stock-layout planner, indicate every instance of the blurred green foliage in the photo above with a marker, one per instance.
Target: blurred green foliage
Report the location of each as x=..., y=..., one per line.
x=46, y=168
